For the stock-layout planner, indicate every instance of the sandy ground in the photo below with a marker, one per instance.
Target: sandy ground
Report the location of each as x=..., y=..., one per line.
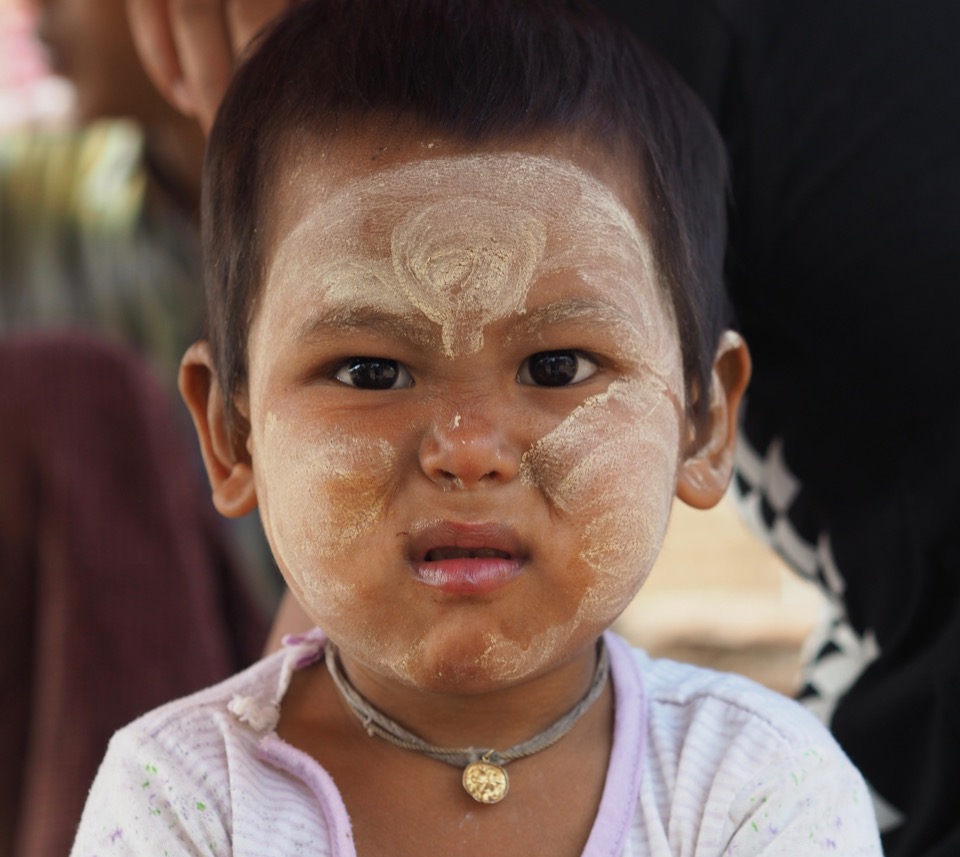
x=719, y=597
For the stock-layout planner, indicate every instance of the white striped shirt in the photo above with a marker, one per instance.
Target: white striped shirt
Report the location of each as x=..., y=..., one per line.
x=703, y=764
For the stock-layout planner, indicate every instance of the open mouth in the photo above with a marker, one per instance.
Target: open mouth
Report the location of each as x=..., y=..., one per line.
x=467, y=571
x=467, y=559
x=440, y=554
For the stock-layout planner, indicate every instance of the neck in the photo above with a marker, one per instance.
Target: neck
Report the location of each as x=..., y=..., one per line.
x=499, y=719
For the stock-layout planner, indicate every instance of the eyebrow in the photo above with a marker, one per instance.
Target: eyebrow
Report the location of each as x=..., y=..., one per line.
x=407, y=326
x=413, y=327
x=578, y=311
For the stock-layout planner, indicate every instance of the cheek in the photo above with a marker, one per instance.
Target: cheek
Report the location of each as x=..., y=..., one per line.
x=319, y=495
x=609, y=470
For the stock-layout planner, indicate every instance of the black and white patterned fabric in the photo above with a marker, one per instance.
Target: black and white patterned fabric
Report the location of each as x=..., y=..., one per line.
x=766, y=494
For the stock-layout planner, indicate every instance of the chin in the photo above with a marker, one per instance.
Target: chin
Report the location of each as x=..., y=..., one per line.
x=477, y=661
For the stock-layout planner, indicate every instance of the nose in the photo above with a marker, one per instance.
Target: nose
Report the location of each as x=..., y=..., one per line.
x=468, y=450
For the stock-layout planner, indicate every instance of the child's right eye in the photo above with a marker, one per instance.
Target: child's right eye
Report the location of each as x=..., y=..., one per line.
x=374, y=373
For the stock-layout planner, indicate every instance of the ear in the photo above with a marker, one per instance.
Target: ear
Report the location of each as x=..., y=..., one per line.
x=708, y=463
x=227, y=464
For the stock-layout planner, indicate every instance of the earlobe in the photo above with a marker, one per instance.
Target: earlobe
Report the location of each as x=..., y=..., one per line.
x=706, y=470
x=229, y=471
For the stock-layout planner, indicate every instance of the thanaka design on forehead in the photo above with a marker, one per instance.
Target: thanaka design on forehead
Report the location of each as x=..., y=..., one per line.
x=467, y=262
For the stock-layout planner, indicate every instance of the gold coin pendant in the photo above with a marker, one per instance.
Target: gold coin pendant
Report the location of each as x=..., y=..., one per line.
x=486, y=782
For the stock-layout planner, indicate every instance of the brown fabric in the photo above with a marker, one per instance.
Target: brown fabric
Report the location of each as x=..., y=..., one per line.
x=118, y=592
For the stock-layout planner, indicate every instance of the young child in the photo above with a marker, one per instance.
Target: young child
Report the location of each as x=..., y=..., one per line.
x=468, y=340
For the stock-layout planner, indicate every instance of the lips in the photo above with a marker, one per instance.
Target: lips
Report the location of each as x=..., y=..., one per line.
x=466, y=559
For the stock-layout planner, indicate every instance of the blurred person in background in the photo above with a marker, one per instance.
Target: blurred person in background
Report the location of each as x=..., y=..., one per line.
x=104, y=504
x=98, y=215
x=102, y=512
x=98, y=219
x=98, y=210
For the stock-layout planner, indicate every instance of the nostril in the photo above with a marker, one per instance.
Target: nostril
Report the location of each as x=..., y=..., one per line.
x=465, y=452
x=448, y=480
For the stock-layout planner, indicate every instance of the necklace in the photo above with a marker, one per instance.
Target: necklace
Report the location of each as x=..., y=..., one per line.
x=484, y=776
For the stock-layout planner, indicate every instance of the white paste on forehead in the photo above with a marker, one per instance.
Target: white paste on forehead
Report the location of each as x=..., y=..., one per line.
x=465, y=263
x=460, y=240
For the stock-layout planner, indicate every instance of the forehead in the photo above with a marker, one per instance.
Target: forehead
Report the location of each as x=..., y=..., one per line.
x=553, y=191
x=488, y=222
x=310, y=167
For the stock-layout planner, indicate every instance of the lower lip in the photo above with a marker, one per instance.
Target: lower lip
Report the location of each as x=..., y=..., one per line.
x=477, y=576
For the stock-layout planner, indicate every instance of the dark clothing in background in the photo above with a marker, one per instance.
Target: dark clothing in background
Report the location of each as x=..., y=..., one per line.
x=842, y=120
x=119, y=591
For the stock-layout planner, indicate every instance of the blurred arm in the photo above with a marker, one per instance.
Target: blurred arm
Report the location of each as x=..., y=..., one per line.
x=189, y=47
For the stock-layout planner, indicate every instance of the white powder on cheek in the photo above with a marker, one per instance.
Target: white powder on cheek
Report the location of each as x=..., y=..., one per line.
x=610, y=468
x=320, y=494
x=611, y=465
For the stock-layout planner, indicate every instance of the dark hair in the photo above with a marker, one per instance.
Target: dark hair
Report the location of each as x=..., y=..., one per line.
x=475, y=70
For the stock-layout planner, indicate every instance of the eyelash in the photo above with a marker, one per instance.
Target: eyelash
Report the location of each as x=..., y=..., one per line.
x=344, y=373
x=561, y=368
x=562, y=361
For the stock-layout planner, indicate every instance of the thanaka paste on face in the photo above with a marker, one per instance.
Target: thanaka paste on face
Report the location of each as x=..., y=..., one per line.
x=459, y=241
x=347, y=486
x=595, y=468
x=463, y=271
x=468, y=261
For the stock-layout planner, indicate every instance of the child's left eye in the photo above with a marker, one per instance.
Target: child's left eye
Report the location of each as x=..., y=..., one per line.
x=373, y=373
x=556, y=369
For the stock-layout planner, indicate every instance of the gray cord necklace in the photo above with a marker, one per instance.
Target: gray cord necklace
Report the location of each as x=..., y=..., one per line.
x=484, y=776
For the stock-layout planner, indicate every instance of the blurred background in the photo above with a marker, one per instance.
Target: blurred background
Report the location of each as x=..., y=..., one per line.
x=721, y=598
x=28, y=92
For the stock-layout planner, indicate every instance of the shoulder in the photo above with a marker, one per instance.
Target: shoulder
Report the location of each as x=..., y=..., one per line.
x=680, y=701
x=233, y=713
x=193, y=776
x=169, y=778
x=681, y=696
x=197, y=738
x=728, y=762
x=732, y=726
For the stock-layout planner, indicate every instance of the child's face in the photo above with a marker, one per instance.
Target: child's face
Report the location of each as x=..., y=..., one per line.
x=466, y=405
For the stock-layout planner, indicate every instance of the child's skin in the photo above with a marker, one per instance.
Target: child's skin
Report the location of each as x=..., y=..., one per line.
x=460, y=264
